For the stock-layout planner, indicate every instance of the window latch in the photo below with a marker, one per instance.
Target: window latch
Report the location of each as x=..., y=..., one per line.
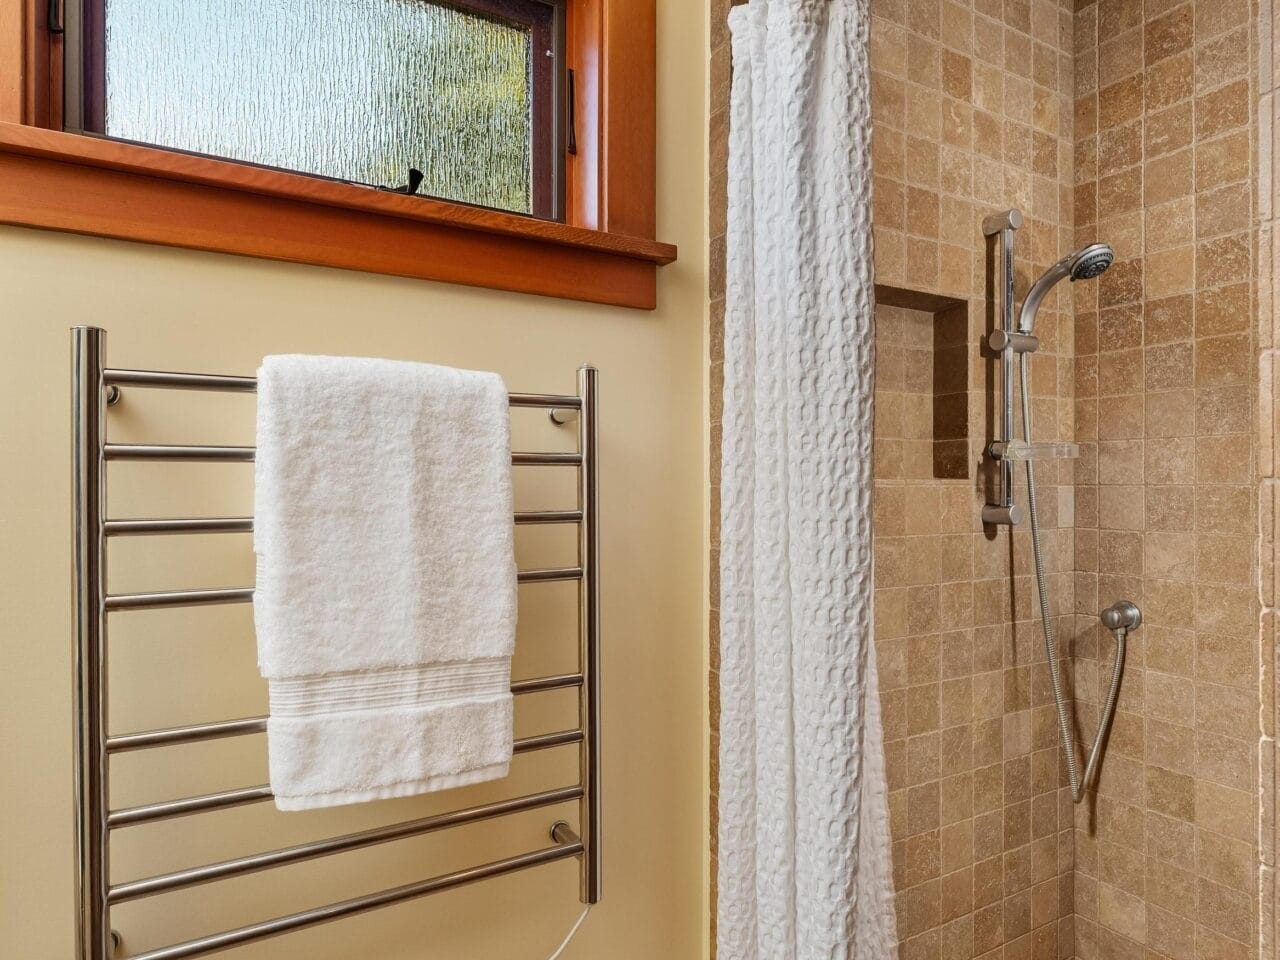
x=410, y=188
x=570, y=106
x=55, y=18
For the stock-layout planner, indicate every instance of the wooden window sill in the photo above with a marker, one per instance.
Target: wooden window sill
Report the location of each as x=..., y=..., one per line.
x=99, y=187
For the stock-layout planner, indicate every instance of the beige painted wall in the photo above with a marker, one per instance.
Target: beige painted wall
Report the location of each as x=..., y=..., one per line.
x=172, y=309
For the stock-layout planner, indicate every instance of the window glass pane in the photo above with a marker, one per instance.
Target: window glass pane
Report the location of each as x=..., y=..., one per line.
x=359, y=90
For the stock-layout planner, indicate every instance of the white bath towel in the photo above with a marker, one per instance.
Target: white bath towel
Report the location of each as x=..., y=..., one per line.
x=385, y=603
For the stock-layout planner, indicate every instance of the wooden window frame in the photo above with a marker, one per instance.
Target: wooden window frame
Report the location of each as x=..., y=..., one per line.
x=604, y=251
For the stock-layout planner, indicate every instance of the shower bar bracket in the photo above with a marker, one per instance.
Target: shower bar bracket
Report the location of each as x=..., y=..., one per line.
x=95, y=386
x=1001, y=340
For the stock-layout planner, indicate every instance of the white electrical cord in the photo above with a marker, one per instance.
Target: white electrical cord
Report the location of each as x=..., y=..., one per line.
x=572, y=930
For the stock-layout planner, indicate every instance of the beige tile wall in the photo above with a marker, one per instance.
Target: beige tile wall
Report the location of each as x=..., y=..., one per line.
x=971, y=111
x=1166, y=512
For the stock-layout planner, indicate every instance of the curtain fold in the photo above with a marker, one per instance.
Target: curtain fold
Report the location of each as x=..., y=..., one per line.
x=804, y=853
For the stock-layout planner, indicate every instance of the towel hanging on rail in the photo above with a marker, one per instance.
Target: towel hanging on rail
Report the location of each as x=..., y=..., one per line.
x=385, y=603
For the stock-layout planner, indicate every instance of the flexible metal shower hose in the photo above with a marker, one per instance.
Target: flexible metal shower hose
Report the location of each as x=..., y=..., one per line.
x=1078, y=785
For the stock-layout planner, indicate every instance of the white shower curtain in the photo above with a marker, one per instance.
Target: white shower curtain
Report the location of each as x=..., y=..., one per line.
x=804, y=859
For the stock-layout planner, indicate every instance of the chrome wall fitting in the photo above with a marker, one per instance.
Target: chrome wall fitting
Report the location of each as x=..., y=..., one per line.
x=561, y=832
x=1001, y=515
x=1122, y=615
x=1001, y=340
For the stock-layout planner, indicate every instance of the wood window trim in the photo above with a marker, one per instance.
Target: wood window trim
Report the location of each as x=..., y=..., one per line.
x=604, y=252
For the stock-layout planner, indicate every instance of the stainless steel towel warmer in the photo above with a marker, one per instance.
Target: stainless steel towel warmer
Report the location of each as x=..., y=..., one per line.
x=94, y=385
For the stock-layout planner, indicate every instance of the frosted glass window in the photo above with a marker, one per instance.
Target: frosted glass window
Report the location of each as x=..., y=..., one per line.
x=357, y=90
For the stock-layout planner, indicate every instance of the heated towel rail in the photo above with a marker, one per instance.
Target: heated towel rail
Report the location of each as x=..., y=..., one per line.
x=94, y=386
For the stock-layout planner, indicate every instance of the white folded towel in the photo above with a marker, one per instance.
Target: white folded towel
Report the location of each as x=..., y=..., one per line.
x=385, y=603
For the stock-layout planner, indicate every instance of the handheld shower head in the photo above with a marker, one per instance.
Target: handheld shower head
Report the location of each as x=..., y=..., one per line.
x=1085, y=264
x=1088, y=262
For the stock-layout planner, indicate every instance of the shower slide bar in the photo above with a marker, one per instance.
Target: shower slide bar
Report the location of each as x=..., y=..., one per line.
x=94, y=388
x=1004, y=226
x=1011, y=342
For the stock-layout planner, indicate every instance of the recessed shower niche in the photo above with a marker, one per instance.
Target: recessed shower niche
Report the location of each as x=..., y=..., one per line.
x=922, y=382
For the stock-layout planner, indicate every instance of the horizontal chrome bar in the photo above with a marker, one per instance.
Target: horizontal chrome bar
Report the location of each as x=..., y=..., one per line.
x=549, y=516
x=141, y=527
x=167, y=809
x=546, y=459
x=177, y=451
x=545, y=741
x=200, y=598
x=196, y=453
x=542, y=684
x=147, y=527
x=202, y=381
x=549, y=574
x=346, y=908
x=207, y=873
x=177, y=381
x=544, y=400
x=221, y=729
x=191, y=733
x=178, y=598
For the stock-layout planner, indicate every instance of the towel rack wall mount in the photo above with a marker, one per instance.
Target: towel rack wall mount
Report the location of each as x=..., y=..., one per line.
x=95, y=386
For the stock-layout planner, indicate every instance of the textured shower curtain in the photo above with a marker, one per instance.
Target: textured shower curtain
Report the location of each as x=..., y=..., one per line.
x=804, y=862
